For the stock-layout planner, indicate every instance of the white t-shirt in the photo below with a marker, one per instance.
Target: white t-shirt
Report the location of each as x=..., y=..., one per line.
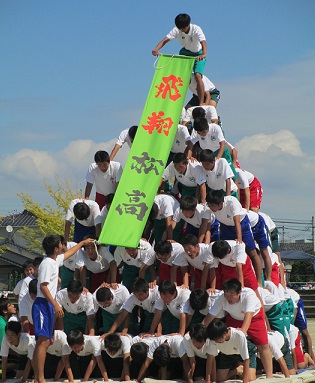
x=244, y=178
x=211, y=140
x=26, y=341
x=209, y=85
x=201, y=212
x=176, y=307
x=48, y=272
x=275, y=290
x=181, y=137
x=105, y=183
x=189, y=311
x=145, y=250
x=188, y=348
x=124, y=138
x=276, y=342
x=174, y=341
x=94, y=217
x=231, y=207
x=148, y=304
x=216, y=178
x=83, y=304
x=92, y=345
x=25, y=307
x=190, y=40
x=58, y=346
x=237, y=344
x=120, y=296
x=148, y=340
x=104, y=213
x=124, y=349
x=24, y=287
x=194, y=174
x=204, y=257
x=18, y=287
x=268, y=299
x=269, y=222
x=99, y=265
x=177, y=249
x=211, y=112
x=236, y=255
x=166, y=204
x=69, y=263
x=248, y=302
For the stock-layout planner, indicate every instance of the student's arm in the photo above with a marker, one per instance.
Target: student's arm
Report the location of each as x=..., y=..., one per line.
x=284, y=367
x=239, y=272
x=114, y=151
x=247, y=198
x=88, y=189
x=174, y=273
x=98, y=229
x=189, y=148
x=204, y=276
x=67, y=230
x=59, y=369
x=203, y=193
x=208, y=319
x=188, y=319
x=184, y=270
x=238, y=229
x=247, y=321
x=192, y=367
x=82, y=271
x=125, y=376
x=246, y=378
x=119, y=320
x=113, y=272
x=152, y=277
x=204, y=50
x=182, y=324
x=156, y=320
x=90, y=325
x=77, y=247
x=102, y=368
x=45, y=291
x=160, y=45
x=169, y=227
x=89, y=369
x=221, y=150
x=142, y=270
x=202, y=231
x=144, y=369
x=207, y=98
x=228, y=186
x=59, y=324
x=68, y=370
x=25, y=324
x=161, y=187
x=4, y=368
x=210, y=361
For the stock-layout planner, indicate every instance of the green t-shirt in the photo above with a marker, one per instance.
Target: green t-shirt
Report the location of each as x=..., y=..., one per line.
x=3, y=323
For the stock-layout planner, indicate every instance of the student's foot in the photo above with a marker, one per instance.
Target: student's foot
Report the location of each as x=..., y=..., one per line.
x=240, y=371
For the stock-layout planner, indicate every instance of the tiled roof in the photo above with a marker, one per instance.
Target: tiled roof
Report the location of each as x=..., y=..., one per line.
x=19, y=220
x=14, y=258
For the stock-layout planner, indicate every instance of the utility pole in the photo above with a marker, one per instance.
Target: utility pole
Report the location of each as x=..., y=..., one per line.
x=313, y=233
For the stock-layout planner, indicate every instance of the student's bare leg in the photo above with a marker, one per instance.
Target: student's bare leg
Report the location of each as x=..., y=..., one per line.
x=308, y=343
x=200, y=88
x=39, y=356
x=256, y=264
x=225, y=374
x=266, y=359
x=267, y=260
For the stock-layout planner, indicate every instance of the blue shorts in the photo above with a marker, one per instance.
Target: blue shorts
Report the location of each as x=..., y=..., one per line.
x=199, y=65
x=260, y=233
x=43, y=318
x=300, y=319
x=228, y=232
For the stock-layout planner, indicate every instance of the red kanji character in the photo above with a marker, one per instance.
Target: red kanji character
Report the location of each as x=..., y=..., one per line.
x=155, y=121
x=169, y=87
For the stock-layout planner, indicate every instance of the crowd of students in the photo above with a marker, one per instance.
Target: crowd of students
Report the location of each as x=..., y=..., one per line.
x=203, y=296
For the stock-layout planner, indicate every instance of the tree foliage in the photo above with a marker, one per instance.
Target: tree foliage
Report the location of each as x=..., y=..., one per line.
x=50, y=217
x=302, y=271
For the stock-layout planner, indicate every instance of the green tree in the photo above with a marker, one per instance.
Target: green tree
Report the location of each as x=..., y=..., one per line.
x=302, y=271
x=50, y=217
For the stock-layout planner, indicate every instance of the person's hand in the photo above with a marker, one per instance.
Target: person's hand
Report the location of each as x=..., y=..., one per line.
x=184, y=287
x=114, y=285
x=200, y=57
x=88, y=241
x=145, y=335
x=211, y=291
x=155, y=52
x=59, y=312
x=238, y=241
x=152, y=285
x=103, y=336
x=85, y=291
x=105, y=284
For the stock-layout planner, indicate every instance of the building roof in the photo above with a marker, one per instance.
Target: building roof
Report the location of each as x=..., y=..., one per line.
x=19, y=220
x=14, y=258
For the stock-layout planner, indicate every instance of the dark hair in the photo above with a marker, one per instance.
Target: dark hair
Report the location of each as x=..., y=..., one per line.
x=198, y=299
x=27, y=264
x=101, y=156
x=3, y=305
x=220, y=249
x=215, y=197
x=50, y=243
x=75, y=337
x=140, y=286
x=198, y=112
x=14, y=326
x=201, y=124
x=190, y=239
x=206, y=155
x=37, y=261
x=103, y=294
x=198, y=332
x=216, y=330
x=180, y=158
x=167, y=287
x=138, y=352
x=163, y=247
x=32, y=287
x=112, y=342
x=196, y=150
x=132, y=131
x=232, y=284
x=188, y=203
x=63, y=240
x=162, y=355
x=81, y=211
x=182, y=20
x=75, y=287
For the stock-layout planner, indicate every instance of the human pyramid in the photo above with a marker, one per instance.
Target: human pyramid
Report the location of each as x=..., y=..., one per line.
x=203, y=296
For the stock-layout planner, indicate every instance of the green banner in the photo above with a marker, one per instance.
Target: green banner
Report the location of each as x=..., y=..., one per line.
x=143, y=171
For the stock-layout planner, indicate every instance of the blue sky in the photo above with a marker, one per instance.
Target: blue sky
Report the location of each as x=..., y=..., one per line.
x=75, y=73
